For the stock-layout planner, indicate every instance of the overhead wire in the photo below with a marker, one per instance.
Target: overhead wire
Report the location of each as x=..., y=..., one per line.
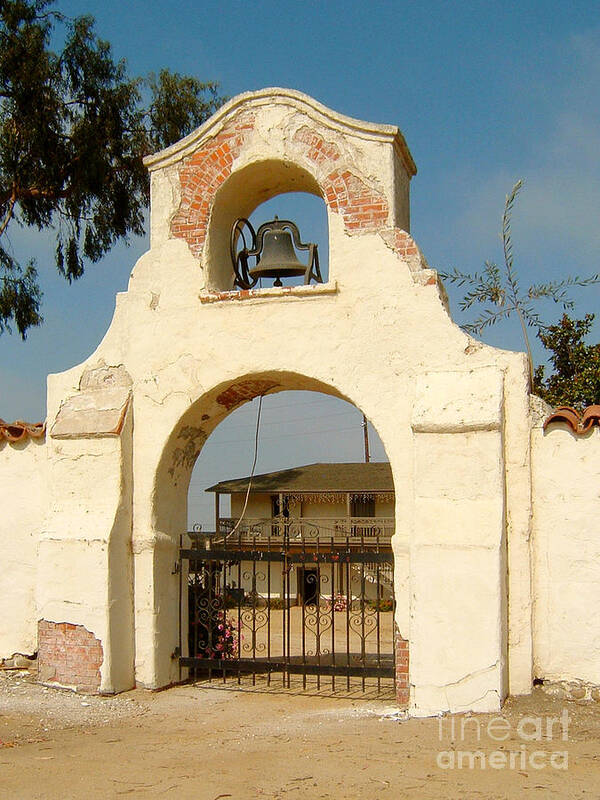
x=323, y=398
x=238, y=523
x=286, y=435
x=293, y=419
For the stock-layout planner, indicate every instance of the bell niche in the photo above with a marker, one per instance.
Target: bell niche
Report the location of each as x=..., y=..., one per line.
x=270, y=252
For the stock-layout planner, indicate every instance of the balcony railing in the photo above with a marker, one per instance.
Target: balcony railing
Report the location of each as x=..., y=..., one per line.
x=307, y=529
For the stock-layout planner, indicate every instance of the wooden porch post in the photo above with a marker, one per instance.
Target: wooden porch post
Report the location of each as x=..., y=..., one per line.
x=217, y=511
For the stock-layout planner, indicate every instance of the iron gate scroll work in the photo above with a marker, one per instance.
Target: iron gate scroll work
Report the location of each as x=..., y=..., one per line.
x=279, y=599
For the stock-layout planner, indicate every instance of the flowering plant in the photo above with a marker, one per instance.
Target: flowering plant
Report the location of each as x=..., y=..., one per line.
x=217, y=637
x=225, y=638
x=340, y=602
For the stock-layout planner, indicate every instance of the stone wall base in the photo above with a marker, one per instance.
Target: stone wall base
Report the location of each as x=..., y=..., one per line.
x=69, y=656
x=577, y=691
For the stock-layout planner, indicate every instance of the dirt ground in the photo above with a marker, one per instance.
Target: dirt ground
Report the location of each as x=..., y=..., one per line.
x=216, y=743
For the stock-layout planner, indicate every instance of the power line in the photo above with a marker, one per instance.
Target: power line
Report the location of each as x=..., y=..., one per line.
x=324, y=398
x=294, y=419
x=304, y=434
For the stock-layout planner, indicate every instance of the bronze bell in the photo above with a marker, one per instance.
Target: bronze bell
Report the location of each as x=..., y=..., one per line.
x=277, y=255
x=274, y=247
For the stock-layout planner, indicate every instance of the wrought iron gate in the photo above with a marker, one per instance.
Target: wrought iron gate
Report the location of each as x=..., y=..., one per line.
x=282, y=600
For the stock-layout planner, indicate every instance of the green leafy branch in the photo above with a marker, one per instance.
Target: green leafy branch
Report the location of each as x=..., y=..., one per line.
x=74, y=128
x=498, y=290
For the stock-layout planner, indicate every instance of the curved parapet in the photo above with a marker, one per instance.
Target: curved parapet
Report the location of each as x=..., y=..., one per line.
x=296, y=100
x=265, y=143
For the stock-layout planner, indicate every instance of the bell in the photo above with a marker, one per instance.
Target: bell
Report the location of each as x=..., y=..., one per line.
x=278, y=258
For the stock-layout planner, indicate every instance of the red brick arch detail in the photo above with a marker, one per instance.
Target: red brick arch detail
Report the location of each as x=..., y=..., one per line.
x=402, y=668
x=201, y=175
x=316, y=148
x=400, y=241
x=362, y=207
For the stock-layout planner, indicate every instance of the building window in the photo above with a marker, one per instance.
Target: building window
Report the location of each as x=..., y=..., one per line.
x=362, y=506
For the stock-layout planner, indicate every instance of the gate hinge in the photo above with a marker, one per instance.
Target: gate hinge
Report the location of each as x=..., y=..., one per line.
x=176, y=568
x=176, y=653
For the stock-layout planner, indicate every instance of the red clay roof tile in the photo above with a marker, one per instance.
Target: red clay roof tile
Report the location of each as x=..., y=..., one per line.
x=579, y=423
x=19, y=430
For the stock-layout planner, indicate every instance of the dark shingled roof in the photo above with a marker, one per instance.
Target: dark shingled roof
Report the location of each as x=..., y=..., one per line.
x=372, y=477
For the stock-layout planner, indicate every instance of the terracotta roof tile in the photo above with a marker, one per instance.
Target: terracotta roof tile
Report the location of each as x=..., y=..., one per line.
x=591, y=416
x=579, y=423
x=19, y=430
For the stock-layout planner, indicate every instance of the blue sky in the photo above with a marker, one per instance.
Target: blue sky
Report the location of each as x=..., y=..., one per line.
x=485, y=93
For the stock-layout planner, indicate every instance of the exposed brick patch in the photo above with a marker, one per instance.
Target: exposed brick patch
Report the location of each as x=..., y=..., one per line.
x=345, y=193
x=239, y=393
x=69, y=655
x=400, y=241
x=361, y=207
x=402, y=685
x=318, y=150
x=202, y=174
x=405, y=246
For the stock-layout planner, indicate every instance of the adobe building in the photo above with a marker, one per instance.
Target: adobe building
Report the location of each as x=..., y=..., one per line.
x=496, y=554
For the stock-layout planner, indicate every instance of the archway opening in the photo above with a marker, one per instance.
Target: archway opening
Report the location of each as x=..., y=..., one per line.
x=297, y=427
x=290, y=564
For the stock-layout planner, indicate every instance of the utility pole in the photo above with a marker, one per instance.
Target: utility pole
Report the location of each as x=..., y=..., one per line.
x=366, y=437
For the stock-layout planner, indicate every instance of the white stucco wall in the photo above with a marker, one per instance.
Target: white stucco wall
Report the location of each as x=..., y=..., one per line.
x=85, y=560
x=566, y=537
x=459, y=539
x=24, y=493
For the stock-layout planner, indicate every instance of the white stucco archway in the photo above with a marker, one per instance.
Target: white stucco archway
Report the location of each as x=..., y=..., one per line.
x=158, y=550
x=126, y=426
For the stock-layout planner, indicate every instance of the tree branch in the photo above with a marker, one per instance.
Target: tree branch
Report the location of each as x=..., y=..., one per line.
x=9, y=212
